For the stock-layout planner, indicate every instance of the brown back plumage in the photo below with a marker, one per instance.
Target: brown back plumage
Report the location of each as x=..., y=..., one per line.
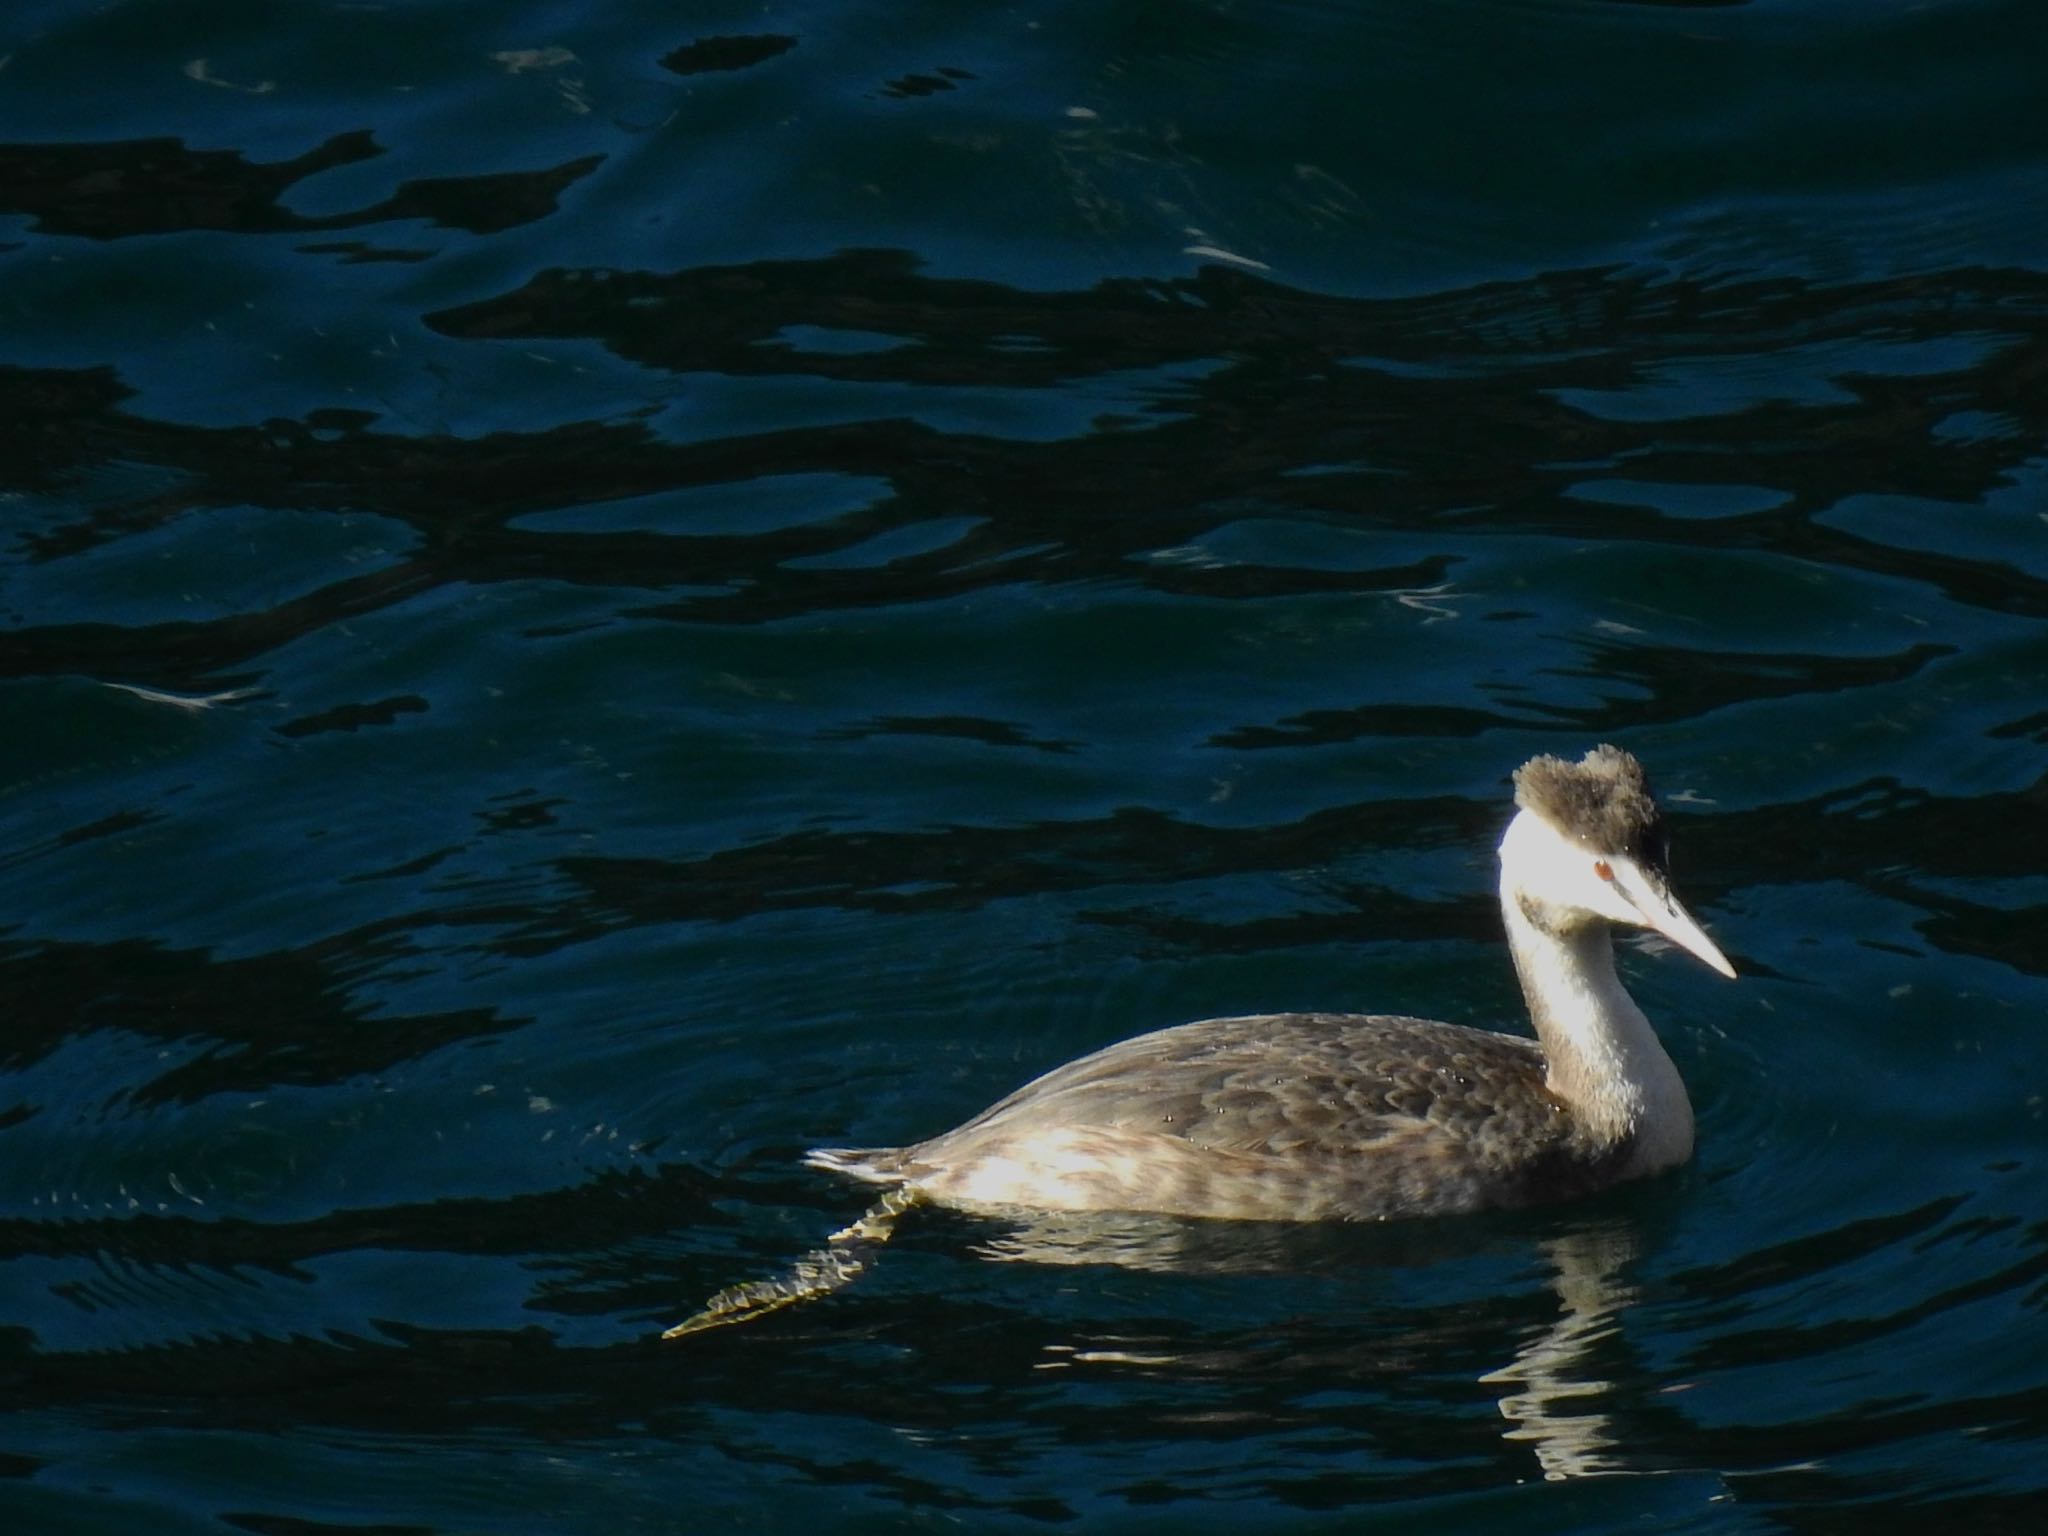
x=1275, y=1117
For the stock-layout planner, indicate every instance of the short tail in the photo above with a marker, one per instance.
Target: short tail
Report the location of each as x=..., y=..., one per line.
x=820, y=1272
x=871, y=1165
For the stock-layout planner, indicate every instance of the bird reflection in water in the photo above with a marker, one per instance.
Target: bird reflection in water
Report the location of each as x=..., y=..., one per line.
x=1550, y=1397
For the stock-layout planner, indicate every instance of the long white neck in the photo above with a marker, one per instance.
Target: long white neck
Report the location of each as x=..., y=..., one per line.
x=1606, y=1062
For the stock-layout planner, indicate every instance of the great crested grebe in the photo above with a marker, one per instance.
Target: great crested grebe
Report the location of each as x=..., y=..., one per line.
x=1351, y=1117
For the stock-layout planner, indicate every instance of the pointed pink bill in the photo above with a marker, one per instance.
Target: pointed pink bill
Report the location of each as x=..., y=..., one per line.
x=1662, y=913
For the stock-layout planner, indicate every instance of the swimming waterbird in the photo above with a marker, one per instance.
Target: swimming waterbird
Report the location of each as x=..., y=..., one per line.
x=1347, y=1117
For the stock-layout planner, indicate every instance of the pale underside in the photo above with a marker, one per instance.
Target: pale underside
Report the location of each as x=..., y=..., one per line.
x=1278, y=1117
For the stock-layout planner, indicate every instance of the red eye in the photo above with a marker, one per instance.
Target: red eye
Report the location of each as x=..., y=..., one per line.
x=1603, y=869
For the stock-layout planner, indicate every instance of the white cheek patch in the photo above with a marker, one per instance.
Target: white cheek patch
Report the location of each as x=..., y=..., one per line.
x=1545, y=864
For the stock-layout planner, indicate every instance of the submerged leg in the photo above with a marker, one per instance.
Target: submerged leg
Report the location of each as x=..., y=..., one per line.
x=818, y=1273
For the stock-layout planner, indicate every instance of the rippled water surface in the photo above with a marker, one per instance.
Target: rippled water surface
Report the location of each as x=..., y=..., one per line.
x=595, y=594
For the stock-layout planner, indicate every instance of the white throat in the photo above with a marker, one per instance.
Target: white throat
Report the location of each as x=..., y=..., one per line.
x=1605, y=1060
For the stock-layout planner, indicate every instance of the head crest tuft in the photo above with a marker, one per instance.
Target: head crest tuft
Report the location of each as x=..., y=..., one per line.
x=1601, y=802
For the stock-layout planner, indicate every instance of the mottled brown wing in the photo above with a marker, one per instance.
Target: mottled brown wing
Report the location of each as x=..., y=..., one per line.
x=1291, y=1083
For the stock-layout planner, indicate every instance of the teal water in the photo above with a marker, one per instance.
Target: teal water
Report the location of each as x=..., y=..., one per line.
x=592, y=595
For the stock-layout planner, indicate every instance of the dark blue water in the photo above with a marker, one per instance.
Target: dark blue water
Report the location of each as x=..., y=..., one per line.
x=592, y=595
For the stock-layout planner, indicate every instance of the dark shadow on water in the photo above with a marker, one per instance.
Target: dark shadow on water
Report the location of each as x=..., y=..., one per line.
x=266, y=1022
x=613, y=1212
x=1669, y=684
x=959, y=868
x=114, y=190
x=994, y=733
x=714, y=55
x=1454, y=416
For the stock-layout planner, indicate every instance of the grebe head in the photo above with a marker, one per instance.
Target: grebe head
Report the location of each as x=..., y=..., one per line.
x=1589, y=845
